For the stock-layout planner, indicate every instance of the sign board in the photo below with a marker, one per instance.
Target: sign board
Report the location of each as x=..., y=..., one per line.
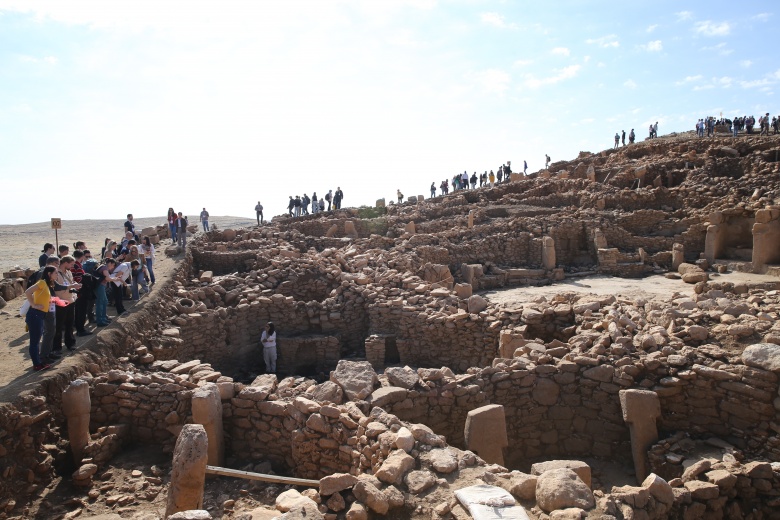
x=56, y=223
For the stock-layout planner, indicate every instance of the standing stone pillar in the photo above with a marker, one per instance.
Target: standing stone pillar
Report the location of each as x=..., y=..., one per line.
x=188, y=475
x=599, y=240
x=548, y=253
x=485, y=433
x=678, y=256
x=76, y=406
x=207, y=411
x=641, y=408
x=471, y=218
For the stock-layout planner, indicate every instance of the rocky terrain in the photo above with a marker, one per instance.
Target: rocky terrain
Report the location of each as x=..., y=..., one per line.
x=417, y=380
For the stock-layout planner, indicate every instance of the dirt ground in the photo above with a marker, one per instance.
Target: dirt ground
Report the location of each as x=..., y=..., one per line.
x=656, y=287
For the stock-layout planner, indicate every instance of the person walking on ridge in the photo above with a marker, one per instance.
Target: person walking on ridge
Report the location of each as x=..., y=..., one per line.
x=259, y=212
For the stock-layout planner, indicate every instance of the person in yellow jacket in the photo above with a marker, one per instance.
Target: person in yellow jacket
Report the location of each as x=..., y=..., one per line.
x=39, y=296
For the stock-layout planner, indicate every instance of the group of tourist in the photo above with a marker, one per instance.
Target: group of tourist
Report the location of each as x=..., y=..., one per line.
x=298, y=205
x=462, y=181
x=72, y=290
x=622, y=137
x=739, y=124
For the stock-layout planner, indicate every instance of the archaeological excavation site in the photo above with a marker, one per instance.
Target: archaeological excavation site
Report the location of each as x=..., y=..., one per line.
x=598, y=340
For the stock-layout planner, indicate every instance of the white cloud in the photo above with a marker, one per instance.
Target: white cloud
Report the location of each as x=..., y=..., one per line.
x=654, y=46
x=762, y=17
x=492, y=81
x=560, y=75
x=629, y=84
x=522, y=63
x=684, y=15
x=560, y=51
x=764, y=84
x=745, y=63
x=652, y=28
x=604, y=41
x=496, y=20
x=50, y=60
x=710, y=28
x=706, y=86
x=689, y=79
x=725, y=81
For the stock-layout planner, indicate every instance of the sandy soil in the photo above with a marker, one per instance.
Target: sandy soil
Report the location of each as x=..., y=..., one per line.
x=651, y=288
x=21, y=245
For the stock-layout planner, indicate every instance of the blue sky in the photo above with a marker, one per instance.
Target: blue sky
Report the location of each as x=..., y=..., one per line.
x=117, y=107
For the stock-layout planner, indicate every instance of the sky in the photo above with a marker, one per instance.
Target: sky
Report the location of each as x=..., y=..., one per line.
x=115, y=107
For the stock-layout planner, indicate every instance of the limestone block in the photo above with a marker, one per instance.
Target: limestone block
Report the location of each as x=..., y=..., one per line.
x=404, y=377
x=442, y=460
x=76, y=405
x=591, y=173
x=412, y=198
x=659, y=489
x=485, y=433
x=763, y=355
x=418, y=481
x=562, y=488
x=463, y=290
x=368, y=493
x=678, y=255
x=291, y=499
x=471, y=219
x=349, y=229
x=577, y=466
x=394, y=467
x=410, y=227
x=548, y=253
x=356, y=378
x=476, y=304
x=380, y=203
x=192, y=514
x=188, y=475
x=336, y=482
x=207, y=411
x=206, y=277
x=599, y=240
x=332, y=230
x=640, y=409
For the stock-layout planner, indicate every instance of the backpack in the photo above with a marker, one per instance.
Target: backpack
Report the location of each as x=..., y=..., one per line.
x=88, y=284
x=90, y=265
x=327, y=197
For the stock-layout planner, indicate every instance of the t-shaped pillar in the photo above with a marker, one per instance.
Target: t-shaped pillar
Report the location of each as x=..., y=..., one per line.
x=640, y=410
x=76, y=406
x=207, y=410
x=188, y=475
x=485, y=433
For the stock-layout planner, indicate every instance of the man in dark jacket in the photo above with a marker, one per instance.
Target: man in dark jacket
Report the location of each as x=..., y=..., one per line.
x=337, y=197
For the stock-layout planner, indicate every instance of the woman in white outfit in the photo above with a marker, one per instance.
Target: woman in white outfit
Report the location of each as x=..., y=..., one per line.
x=268, y=339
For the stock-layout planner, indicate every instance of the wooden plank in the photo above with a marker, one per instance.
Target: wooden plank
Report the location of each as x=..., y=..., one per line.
x=248, y=475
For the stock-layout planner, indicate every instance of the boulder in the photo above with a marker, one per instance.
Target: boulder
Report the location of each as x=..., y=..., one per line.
x=387, y=395
x=292, y=498
x=443, y=460
x=580, y=468
x=336, y=482
x=368, y=493
x=562, y=488
x=356, y=378
x=419, y=481
x=763, y=355
x=328, y=392
x=404, y=377
x=395, y=466
x=191, y=514
x=476, y=304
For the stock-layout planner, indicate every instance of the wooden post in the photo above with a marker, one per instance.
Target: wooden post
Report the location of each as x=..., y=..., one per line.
x=248, y=475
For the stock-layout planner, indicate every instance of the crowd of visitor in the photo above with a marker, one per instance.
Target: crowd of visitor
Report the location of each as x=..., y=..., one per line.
x=72, y=290
x=746, y=124
x=298, y=206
